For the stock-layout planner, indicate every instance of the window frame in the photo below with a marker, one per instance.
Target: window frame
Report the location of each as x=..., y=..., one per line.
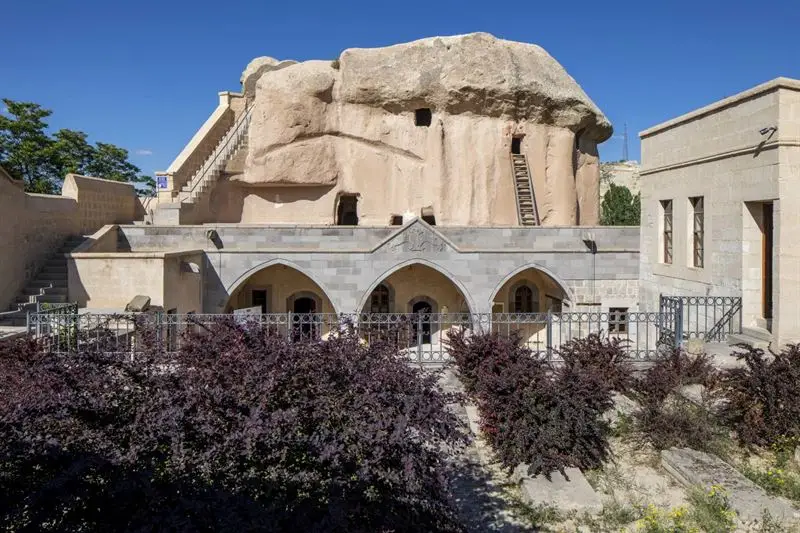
x=667, y=231
x=618, y=320
x=697, y=204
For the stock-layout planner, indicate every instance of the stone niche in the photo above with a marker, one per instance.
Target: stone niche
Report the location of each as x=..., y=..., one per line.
x=427, y=123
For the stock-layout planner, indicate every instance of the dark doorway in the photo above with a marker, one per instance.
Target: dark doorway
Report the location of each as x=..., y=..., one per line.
x=347, y=210
x=259, y=297
x=766, y=263
x=516, y=145
x=423, y=117
x=422, y=322
x=305, y=324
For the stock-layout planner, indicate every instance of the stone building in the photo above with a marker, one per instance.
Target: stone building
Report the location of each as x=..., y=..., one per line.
x=720, y=208
x=451, y=174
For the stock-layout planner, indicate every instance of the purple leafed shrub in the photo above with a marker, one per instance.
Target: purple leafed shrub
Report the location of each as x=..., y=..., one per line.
x=763, y=397
x=241, y=430
x=665, y=419
x=537, y=413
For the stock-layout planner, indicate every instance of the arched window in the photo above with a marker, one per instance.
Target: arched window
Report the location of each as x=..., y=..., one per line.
x=524, y=299
x=379, y=300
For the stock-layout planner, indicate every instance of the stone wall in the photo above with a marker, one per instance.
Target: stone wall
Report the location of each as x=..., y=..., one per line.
x=348, y=262
x=35, y=226
x=718, y=153
x=101, y=201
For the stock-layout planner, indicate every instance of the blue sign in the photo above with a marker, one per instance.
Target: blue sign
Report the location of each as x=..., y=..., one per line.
x=161, y=182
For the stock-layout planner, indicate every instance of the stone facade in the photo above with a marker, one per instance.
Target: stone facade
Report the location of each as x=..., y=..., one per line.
x=346, y=264
x=34, y=225
x=740, y=155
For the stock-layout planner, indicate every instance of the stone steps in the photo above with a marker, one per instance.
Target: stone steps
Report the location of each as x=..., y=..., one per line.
x=51, y=284
x=752, y=336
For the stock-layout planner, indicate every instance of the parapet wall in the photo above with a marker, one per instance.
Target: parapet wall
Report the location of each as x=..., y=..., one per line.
x=34, y=226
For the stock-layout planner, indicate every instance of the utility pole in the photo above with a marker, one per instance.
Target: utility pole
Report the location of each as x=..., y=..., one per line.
x=625, y=143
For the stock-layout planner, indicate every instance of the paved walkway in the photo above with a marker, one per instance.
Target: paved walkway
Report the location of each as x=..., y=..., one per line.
x=10, y=332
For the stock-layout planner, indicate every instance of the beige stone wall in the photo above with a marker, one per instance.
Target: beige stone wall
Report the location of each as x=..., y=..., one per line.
x=101, y=201
x=717, y=152
x=183, y=289
x=35, y=226
x=32, y=227
x=111, y=280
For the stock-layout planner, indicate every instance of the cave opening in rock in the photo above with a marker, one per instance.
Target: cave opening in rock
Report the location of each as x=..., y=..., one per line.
x=347, y=210
x=516, y=145
x=423, y=117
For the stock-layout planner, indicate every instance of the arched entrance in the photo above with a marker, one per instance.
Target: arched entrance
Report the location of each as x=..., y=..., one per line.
x=423, y=300
x=521, y=303
x=286, y=298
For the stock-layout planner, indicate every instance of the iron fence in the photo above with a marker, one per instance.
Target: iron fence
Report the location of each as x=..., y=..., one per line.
x=421, y=337
x=711, y=318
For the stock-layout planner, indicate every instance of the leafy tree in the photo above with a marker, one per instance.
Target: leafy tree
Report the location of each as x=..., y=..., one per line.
x=111, y=162
x=25, y=148
x=27, y=152
x=71, y=152
x=620, y=207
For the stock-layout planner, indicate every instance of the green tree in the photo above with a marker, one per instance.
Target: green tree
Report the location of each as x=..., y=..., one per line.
x=111, y=162
x=620, y=207
x=71, y=152
x=27, y=152
x=25, y=148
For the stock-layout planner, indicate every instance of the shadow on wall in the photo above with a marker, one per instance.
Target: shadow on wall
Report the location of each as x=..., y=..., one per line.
x=238, y=203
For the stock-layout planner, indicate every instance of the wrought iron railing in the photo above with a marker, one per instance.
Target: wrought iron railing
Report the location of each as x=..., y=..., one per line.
x=421, y=337
x=711, y=318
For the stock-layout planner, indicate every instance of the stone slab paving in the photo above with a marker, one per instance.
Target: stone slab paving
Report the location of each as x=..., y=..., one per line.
x=481, y=491
x=567, y=493
x=693, y=468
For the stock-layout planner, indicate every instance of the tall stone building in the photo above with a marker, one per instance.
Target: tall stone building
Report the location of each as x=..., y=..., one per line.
x=720, y=208
x=447, y=174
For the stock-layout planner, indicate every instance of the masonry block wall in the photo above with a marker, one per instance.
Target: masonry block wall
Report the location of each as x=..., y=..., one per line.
x=35, y=225
x=348, y=262
x=719, y=153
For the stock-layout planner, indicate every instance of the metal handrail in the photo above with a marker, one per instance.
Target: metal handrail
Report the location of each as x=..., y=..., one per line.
x=221, y=147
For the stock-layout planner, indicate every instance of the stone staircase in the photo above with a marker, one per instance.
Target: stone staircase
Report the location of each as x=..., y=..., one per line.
x=50, y=285
x=752, y=336
x=212, y=168
x=523, y=188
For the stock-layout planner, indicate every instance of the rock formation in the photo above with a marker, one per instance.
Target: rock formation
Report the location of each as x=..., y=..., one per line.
x=426, y=123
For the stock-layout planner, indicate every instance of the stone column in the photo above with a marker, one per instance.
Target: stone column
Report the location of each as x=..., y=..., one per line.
x=560, y=178
x=587, y=182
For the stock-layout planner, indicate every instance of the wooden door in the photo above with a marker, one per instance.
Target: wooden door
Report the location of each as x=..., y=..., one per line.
x=766, y=263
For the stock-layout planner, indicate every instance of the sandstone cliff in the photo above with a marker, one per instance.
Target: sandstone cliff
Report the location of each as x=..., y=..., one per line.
x=323, y=128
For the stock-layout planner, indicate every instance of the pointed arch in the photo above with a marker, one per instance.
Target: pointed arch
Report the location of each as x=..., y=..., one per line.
x=242, y=280
x=569, y=297
x=423, y=262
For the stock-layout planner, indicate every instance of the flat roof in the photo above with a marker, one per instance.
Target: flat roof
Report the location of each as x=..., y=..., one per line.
x=787, y=83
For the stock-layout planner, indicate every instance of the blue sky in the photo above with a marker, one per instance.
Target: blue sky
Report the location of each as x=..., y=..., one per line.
x=145, y=74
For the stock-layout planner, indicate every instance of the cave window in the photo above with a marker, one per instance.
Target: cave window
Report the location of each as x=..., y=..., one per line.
x=423, y=117
x=347, y=212
x=430, y=219
x=516, y=145
x=397, y=220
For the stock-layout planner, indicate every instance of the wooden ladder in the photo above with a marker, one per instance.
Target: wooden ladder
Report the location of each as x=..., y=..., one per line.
x=523, y=187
